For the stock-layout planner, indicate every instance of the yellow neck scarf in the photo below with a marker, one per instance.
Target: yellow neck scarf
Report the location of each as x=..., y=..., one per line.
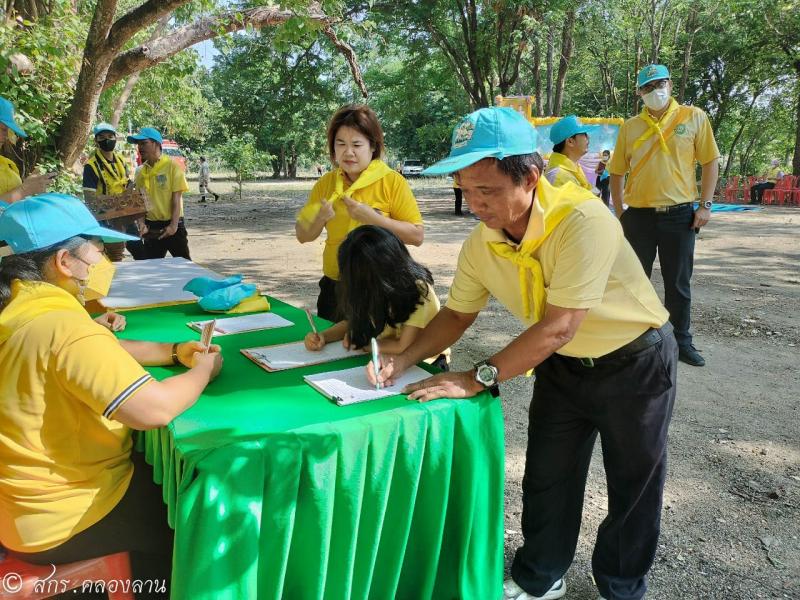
x=376, y=170
x=654, y=127
x=561, y=161
x=150, y=173
x=551, y=205
x=112, y=173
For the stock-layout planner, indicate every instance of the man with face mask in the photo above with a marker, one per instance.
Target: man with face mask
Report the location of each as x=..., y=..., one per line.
x=106, y=173
x=570, y=142
x=658, y=150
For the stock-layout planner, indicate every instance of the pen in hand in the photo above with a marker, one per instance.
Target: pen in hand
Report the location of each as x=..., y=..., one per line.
x=375, y=361
x=311, y=322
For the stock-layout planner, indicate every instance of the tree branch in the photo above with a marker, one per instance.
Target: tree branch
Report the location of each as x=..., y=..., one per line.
x=350, y=56
x=160, y=49
x=140, y=18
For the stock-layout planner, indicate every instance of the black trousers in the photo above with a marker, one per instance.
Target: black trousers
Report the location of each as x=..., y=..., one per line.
x=459, y=200
x=671, y=235
x=628, y=401
x=605, y=190
x=138, y=525
x=757, y=191
x=327, y=302
x=176, y=245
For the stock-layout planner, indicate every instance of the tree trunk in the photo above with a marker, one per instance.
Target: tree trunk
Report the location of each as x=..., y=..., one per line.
x=537, y=77
x=691, y=30
x=743, y=120
x=30, y=10
x=292, y=162
x=796, y=158
x=563, y=63
x=549, y=81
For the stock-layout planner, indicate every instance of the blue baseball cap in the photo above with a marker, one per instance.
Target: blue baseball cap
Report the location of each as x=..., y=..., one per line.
x=488, y=132
x=101, y=127
x=565, y=128
x=651, y=73
x=7, y=117
x=146, y=133
x=41, y=221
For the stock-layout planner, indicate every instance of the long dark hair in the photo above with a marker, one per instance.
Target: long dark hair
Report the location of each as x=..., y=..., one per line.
x=30, y=266
x=379, y=283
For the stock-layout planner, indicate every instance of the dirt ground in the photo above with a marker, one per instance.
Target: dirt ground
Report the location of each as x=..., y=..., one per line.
x=732, y=500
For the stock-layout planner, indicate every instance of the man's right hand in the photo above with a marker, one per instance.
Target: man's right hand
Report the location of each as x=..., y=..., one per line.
x=392, y=367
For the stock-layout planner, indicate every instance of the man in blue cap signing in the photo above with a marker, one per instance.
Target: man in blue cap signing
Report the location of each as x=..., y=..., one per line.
x=570, y=142
x=597, y=335
x=163, y=181
x=658, y=149
x=12, y=187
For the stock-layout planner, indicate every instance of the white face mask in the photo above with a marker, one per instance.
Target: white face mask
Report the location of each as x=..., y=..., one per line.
x=657, y=99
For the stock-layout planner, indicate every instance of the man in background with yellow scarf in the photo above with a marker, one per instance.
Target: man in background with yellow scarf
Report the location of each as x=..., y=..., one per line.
x=597, y=335
x=658, y=149
x=570, y=142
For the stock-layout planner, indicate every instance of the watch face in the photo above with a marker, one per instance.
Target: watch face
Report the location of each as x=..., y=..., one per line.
x=486, y=375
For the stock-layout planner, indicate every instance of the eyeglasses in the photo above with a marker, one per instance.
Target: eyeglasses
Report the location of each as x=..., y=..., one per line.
x=659, y=84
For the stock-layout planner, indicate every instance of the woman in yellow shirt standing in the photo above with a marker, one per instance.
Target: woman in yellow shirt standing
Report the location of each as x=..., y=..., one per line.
x=70, y=394
x=363, y=190
x=12, y=188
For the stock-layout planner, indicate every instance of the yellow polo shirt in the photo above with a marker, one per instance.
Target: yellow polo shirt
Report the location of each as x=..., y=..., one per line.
x=586, y=263
x=773, y=174
x=9, y=175
x=665, y=179
x=558, y=175
x=64, y=463
x=390, y=195
x=159, y=182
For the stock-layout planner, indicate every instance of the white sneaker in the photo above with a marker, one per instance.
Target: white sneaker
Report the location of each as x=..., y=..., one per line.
x=512, y=591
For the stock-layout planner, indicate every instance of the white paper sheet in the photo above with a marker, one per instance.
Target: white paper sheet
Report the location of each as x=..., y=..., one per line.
x=294, y=355
x=244, y=323
x=350, y=386
x=153, y=282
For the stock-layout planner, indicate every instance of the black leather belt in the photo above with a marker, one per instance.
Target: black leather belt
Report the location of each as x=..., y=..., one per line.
x=665, y=209
x=649, y=338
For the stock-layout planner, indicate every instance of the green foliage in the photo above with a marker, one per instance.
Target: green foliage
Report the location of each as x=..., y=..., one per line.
x=242, y=156
x=54, y=44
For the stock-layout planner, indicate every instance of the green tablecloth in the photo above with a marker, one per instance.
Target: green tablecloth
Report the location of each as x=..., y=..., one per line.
x=276, y=492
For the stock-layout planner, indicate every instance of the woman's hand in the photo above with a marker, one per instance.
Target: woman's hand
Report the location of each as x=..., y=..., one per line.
x=314, y=342
x=213, y=360
x=359, y=211
x=326, y=212
x=188, y=351
x=112, y=321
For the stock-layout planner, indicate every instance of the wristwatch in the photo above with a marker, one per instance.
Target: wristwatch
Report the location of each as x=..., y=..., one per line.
x=486, y=374
x=706, y=203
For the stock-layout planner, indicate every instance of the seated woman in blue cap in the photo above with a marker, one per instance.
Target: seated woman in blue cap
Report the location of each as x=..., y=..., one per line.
x=12, y=187
x=70, y=394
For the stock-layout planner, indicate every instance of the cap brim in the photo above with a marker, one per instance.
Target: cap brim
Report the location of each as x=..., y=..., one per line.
x=109, y=235
x=15, y=128
x=456, y=163
x=646, y=81
x=137, y=138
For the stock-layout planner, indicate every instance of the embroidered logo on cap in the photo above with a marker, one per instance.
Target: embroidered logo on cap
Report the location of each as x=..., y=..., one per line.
x=652, y=71
x=463, y=133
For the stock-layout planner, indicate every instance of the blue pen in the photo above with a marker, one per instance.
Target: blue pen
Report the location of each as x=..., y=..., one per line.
x=374, y=344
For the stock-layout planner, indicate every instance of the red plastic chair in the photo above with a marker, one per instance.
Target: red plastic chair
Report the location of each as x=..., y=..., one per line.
x=23, y=581
x=746, y=185
x=782, y=192
x=731, y=190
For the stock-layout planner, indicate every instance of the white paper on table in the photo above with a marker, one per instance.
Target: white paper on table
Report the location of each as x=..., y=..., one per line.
x=244, y=323
x=295, y=354
x=350, y=386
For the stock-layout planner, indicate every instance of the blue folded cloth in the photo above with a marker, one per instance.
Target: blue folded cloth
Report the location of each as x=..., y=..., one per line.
x=202, y=286
x=227, y=298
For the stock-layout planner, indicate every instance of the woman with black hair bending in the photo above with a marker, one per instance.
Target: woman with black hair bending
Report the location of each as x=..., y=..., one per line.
x=383, y=293
x=363, y=190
